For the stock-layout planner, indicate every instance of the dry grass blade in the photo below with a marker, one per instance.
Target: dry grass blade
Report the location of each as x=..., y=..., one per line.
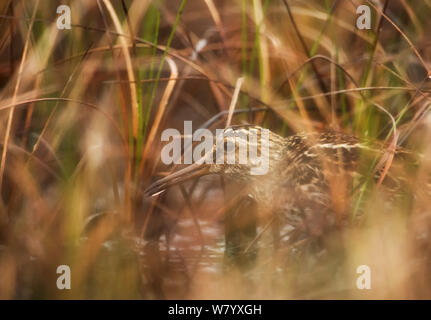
x=129, y=66
x=234, y=100
x=15, y=92
x=160, y=111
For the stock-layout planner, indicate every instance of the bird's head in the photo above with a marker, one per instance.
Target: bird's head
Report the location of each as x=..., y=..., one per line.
x=239, y=152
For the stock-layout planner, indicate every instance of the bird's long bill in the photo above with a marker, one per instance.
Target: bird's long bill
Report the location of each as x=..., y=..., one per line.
x=193, y=171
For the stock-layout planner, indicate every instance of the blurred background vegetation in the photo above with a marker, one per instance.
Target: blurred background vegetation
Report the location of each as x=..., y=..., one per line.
x=81, y=112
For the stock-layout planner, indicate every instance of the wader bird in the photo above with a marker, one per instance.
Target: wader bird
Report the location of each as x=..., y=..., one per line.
x=308, y=184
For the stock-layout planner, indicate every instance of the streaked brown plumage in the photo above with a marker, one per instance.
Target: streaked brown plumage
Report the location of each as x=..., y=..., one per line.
x=307, y=183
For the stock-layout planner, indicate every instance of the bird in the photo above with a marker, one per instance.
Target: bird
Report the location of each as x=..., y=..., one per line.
x=307, y=180
x=307, y=198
